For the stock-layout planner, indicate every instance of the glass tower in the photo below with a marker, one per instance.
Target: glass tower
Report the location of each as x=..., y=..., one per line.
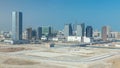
x=89, y=31
x=46, y=30
x=16, y=25
x=39, y=32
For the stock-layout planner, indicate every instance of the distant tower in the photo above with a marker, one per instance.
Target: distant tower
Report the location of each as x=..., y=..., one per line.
x=105, y=33
x=34, y=34
x=68, y=30
x=89, y=31
x=16, y=26
x=46, y=31
x=39, y=32
x=80, y=29
x=74, y=29
x=83, y=29
x=29, y=33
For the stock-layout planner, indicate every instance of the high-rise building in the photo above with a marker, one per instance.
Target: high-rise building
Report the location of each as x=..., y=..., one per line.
x=68, y=30
x=29, y=33
x=46, y=30
x=34, y=34
x=16, y=25
x=89, y=31
x=74, y=29
x=105, y=33
x=80, y=29
x=83, y=29
x=39, y=32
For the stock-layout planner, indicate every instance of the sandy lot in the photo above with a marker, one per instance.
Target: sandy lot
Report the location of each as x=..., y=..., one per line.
x=37, y=56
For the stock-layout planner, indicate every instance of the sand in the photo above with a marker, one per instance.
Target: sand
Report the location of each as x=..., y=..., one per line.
x=26, y=56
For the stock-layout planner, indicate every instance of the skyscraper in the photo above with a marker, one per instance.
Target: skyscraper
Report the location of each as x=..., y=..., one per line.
x=16, y=25
x=74, y=29
x=34, y=34
x=39, y=32
x=89, y=31
x=105, y=33
x=29, y=33
x=68, y=30
x=80, y=29
x=83, y=29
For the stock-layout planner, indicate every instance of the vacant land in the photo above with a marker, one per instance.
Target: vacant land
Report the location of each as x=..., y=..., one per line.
x=38, y=56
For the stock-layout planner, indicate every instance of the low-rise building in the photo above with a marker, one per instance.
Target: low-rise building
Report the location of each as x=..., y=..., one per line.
x=78, y=39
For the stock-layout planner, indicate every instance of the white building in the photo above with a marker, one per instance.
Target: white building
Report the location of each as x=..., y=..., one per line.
x=78, y=39
x=115, y=35
x=86, y=40
x=73, y=39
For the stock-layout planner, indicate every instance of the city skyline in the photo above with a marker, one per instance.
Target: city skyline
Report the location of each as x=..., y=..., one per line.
x=57, y=13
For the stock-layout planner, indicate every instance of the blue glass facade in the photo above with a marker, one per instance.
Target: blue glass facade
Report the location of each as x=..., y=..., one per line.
x=89, y=31
x=16, y=25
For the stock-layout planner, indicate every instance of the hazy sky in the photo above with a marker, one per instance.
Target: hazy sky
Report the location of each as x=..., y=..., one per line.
x=58, y=12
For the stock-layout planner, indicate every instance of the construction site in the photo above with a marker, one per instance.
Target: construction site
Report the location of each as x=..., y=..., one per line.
x=43, y=56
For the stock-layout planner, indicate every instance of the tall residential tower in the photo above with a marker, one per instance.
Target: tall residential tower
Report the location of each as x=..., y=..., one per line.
x=80, y=28
x=68, y=30
x=105, y=33
x=16, y=25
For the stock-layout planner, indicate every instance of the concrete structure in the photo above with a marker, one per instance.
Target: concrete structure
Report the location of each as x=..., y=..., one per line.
x=86, y=39
x=105, y=33
x=115, y=35
x=29, y=33
x=16, y=25
x=68, y=30
x=73, y=39
x=80, y=29
x=60, y=35
x=24, y=35
x=96, y=34
x=89, y=31
x=78, y=39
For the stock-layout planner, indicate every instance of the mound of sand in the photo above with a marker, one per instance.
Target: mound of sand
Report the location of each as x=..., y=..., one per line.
x=14, y=61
